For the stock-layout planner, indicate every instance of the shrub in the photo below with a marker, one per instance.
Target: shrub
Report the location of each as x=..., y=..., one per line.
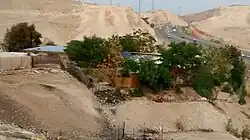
x=114, y=58
x=21, y=36
x=138, y=41
x=219, y=63
x=50, y=42
x=238, y=72
x=156, y=77
x=87, y=53
x=204, y=82
x=182, y=58
x=136, y=92
x=129, y=66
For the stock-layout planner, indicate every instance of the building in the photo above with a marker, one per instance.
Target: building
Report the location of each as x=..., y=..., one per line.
x=47, y=54
x=46, y=49
x=14, y=60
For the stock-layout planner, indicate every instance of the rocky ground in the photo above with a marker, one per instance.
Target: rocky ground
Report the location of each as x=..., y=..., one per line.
x=11, y=132
x=51, y=102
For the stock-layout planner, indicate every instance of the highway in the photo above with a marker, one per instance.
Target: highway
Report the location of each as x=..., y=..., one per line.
x=179, y=35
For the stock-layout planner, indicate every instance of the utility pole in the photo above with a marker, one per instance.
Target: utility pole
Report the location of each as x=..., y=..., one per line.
x=139, y=11
x=153, y=6
x=179, y=11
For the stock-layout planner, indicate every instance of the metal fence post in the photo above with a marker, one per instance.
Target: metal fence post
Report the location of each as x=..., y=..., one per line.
x=123, y=130
x=118, y=133
x=21, y=62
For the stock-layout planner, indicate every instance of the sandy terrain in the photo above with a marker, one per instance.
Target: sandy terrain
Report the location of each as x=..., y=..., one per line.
x=201, y=136
x=64, y=20
x=193, y=115
x=107, y=20
x=230, y=23
x=163, y=17
x=11, y=132
x=49, y=100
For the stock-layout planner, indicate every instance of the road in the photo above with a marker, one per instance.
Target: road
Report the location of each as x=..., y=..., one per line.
x=179, y=36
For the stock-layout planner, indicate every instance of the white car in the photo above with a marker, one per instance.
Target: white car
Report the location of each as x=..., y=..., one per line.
x=168, y=36
x=174, y=30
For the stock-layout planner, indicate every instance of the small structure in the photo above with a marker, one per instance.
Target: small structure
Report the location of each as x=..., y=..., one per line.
x=47, y=54
x=132, y=79
x=14, y=60
x=46, y=49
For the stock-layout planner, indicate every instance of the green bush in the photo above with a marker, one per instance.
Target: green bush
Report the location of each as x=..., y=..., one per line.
x=87, y=53
x=129, y=66
x=204, y=82
x=219, y=63
x=138, y=41
x=156, y=77
x=183, y=56
x=21, y=36
x=129, y=43
x=136, y=92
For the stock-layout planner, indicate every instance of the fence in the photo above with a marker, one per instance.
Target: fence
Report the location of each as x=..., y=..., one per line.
x=120, y=133
x=46, y=59
x=12, y=61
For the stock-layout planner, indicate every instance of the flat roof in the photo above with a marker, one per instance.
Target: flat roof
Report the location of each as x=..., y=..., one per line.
x=47, y=49
x=12, y=54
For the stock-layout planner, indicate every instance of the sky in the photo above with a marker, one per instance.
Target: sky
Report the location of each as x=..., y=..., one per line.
x=174, y=6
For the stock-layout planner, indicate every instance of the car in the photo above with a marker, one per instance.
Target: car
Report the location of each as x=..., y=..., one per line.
x=168, y=36
x=174, y=30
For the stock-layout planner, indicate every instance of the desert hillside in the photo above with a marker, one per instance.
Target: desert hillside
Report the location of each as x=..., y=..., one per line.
x=162, y=17
x=107, y=20
x=230, y=23
x=63, y=20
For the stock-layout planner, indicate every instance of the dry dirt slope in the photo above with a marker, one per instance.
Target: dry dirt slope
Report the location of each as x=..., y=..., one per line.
x=63, y=20
x=163, y=17
x=49, y=100
x=230, y=23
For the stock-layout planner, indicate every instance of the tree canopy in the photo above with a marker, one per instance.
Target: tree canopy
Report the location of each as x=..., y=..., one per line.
x=21, y=36
x=183, y=64
x=89, y=52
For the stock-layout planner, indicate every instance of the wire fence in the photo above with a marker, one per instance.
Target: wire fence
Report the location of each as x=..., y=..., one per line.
x=121, y=132
x=15, y=62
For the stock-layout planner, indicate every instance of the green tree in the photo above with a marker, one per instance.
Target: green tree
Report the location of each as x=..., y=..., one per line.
x=219, y=63
x=238, y=73
x=238, y=70
x=203, y=82
x=129, y=43
x=186, y=57
x=138, y=41
x=87, y=53
x=129, y=65
x=155, y=76
x=21, y=36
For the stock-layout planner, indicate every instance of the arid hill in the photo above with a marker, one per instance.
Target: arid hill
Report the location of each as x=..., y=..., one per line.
x=230, y=23
x=63, y=20
x=163, y=17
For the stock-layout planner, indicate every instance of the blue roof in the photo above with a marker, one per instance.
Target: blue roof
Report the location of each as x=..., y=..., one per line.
x=47, y=49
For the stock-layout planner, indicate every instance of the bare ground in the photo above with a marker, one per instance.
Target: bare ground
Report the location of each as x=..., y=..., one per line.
x=49, y=101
